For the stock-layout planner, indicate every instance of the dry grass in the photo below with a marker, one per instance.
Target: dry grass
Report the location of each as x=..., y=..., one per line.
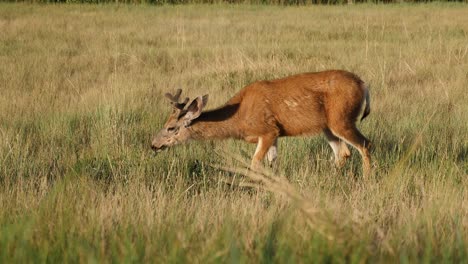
x=81, y=94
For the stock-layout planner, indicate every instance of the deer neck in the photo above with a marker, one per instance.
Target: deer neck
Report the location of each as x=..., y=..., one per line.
x=216, y=124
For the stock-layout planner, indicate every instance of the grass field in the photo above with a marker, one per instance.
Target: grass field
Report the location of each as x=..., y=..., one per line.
x=81, y=94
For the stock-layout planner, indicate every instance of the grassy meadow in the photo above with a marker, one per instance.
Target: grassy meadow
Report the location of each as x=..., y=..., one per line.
x=81, y=94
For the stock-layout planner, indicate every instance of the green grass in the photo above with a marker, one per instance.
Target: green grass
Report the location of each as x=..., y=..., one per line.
x=81, y=94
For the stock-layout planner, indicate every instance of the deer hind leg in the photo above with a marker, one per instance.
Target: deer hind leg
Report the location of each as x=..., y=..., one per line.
x=340, y=150
x=264, y=145
x=351, y=135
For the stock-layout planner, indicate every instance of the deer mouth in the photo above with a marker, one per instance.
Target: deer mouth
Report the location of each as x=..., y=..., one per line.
x=158, y=149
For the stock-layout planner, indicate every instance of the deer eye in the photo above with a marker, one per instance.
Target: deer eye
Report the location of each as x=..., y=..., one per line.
x=171, y=129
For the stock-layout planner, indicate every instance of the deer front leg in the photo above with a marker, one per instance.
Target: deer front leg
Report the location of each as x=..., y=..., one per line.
x=272, y=153
x=265, y=143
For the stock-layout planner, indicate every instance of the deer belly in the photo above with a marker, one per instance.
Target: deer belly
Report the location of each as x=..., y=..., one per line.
x=309, y=129
x=299, y=124
x=251, y=139
x=300, y=115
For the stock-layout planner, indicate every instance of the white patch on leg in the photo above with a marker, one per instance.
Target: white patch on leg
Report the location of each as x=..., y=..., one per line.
x=255, y=165
x=272, y=153
x=259, y=146
x=336, y=146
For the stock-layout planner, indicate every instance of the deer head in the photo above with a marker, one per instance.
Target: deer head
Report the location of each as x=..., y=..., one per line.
x=176, y=128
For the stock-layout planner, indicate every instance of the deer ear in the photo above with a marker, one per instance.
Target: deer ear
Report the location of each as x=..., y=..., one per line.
x=204, y=100
x=195, y=109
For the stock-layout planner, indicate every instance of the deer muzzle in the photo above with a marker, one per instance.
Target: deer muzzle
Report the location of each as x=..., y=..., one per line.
x=157, y=148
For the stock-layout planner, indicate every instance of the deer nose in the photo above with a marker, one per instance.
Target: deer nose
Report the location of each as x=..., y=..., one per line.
x=157, y=148
x=153, y=147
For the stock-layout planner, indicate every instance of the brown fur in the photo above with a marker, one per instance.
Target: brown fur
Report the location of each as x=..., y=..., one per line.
x=299, y=105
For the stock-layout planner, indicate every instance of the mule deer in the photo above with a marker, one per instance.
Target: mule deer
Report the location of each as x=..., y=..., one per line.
x=299, y=105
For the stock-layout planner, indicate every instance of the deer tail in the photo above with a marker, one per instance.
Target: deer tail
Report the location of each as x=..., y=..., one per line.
x=367, y=102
